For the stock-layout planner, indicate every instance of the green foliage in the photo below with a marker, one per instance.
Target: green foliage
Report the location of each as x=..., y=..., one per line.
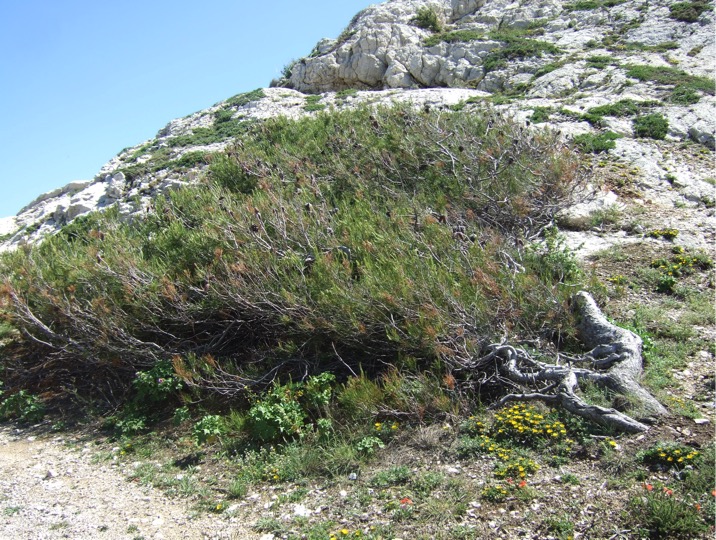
x=588, y=5
x=229, y=174
x=287, y=70
x=21, y=406
x=663, y=456
x=553, y=260
x=688, y=11
x=652, y=126
x=240, y=100
x=516, y=46
x=395, y=476
x=153, y=391
x=540, y=114
x=495, y=493
x=600, y=62
x=368, y=445
x=223, y=115
x=456, y=36
x=670, y=76
x=313, y=105
x=623, y=107
x=428, y=19
x=546, y=68
x=161, y=159
x=667, y=513
x=679, y=265
x=684, y=95
x=220, y=131
x=364, y=235
x=208, y=429
x=283, y=411
x=663, y=47
x=156, y=385
x=191, y=159
x=595, y=143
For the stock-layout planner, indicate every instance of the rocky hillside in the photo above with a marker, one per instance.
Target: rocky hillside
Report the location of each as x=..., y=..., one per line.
x=629, y=79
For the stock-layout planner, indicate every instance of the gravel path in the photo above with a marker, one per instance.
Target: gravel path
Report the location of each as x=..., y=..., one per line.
x=50, y=489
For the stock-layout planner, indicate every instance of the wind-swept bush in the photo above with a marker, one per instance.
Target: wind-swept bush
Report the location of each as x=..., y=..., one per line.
x=369, y=238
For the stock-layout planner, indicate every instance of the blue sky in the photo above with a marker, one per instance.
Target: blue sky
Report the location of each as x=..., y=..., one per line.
x=80, y=80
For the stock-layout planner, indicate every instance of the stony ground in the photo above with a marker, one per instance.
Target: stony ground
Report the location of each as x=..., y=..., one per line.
x=52, y=487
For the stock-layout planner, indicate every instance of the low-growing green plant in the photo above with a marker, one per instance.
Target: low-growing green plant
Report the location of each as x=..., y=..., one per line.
x=669, y=456
x=223, y=115
x=516, y=46
x=624, y=107
x=666, y=513
x=652, y=126
x=684, y=95
x=346, y=240
x=588, y=5
x=21, y=406
x=456, y=36
x=670, y=76
x=219, y=132
x=595, y=143
x=546, y=68
x=428, y=19
x=283, y=412
x=368, y=445
x=208, y=429
x=561, y=526
x=540, y=114
x=495, y=493
x=240, y=100
x=601, y=61
x=572, y=479
x=394, y=476
x=688, y=11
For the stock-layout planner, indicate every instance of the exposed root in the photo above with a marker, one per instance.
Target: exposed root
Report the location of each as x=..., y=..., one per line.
x=614, y=362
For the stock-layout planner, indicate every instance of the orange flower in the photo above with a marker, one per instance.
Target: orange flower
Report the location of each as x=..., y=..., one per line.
x=648, y=487
x=406, y=500
x=522, y=484
x=667, y=491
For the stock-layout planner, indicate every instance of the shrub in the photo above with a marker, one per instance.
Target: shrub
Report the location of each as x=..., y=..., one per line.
x=600, y=62
x=596, y=143
x=670, y=76
x=669, y=456
x=21, y=406
x=588, y=5
x=540, y=114
x=666, y=513
x=283, y=412
x=208, y=429
x=684, y=95
x=240, y=100
x=227, y=173
x=428, y=19
x=652, y=126
x=364, y=235
x=688, y=11
x=516, y=46
x=456, y=36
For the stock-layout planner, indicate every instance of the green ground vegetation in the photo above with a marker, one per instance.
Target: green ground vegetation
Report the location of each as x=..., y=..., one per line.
x=355, y=235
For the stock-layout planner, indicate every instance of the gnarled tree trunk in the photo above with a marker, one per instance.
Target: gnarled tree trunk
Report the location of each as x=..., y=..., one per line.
x=614, y=362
